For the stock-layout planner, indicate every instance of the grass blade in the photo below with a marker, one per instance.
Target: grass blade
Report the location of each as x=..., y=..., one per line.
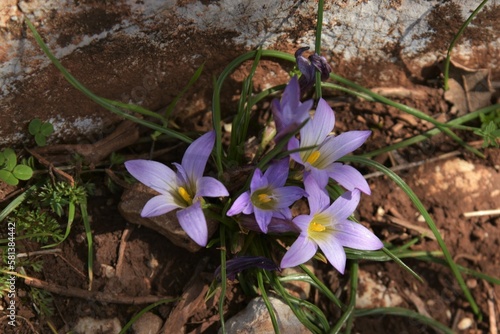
x=454, y=41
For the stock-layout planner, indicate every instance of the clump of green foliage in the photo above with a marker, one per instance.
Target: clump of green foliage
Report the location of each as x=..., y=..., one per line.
x=490, y=128
x=37, y=218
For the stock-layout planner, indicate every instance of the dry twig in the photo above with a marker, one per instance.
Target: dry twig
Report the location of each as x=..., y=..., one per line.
x=482, y=213
x=91, y=295
x=191, y=301
x=121, y=251
x=414, y=164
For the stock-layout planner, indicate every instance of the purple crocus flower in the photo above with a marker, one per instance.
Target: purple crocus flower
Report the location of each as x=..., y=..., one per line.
x=327, y=226
x=289, y=112
x=309, y=66
x=268, y=197
x=182, y=190
x=324, y=150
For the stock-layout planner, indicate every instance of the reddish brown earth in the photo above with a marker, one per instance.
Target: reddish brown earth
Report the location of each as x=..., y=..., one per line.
x=151, y=266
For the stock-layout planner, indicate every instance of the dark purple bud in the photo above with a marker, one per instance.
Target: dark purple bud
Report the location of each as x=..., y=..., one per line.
x=321, y=65
x=238, y=264
x=309, y=66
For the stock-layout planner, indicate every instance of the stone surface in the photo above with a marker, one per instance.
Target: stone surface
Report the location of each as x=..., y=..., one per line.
x=299, y=289
x=145, y=51
x=372, y=294
x=130, y=208
x=148, y=323
x=88, y=325
x=458, y=178
x=254, y=319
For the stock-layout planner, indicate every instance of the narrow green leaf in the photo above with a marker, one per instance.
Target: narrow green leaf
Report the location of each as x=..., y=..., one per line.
x=16, y=201
x=108, y=104
x=420, y=207
x=317, y=44
x=322, y=287
x=192, y=81
x=455, y=39
x=71, y=217
x=88, y=233
x=402, y=264
x=144, y=310
x=348, y=313
x=399, y=311
x=269, y=306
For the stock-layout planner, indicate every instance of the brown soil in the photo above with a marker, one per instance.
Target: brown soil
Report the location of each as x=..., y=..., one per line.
x=152, y=266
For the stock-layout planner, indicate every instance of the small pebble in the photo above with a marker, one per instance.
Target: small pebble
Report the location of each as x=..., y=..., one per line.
x=147, y=323
x=471, y=283
x=380, y=213
x=479, y=234
x=464, y=324
x=360, y=119
x=88, y=325
x=108, y=271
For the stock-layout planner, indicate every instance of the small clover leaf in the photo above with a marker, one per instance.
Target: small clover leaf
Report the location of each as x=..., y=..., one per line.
x=10, y=171
x=34, y=126
x=10, y=159
x=8, y=177
x=41, y=130
x=23, y=172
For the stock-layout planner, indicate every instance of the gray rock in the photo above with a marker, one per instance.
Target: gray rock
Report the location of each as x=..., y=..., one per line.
x=148, y=323
x=130, y=208
x=254, y=319
x=377, y=42
x=88, y=325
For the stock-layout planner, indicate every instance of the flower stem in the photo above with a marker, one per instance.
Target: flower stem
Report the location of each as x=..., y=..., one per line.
x=317, y=46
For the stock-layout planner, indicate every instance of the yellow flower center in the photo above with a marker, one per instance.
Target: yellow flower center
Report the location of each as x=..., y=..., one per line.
x=264, y=198
x=185, y=195
x=315, y=227
x=313, y=157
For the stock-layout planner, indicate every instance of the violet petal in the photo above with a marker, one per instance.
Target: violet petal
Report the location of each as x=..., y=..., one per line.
x=196, y=156
x=159, y=205
x=354, y=235
x=301, y=251
x=153, y=174
x=193, y=222
x=348, y=177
